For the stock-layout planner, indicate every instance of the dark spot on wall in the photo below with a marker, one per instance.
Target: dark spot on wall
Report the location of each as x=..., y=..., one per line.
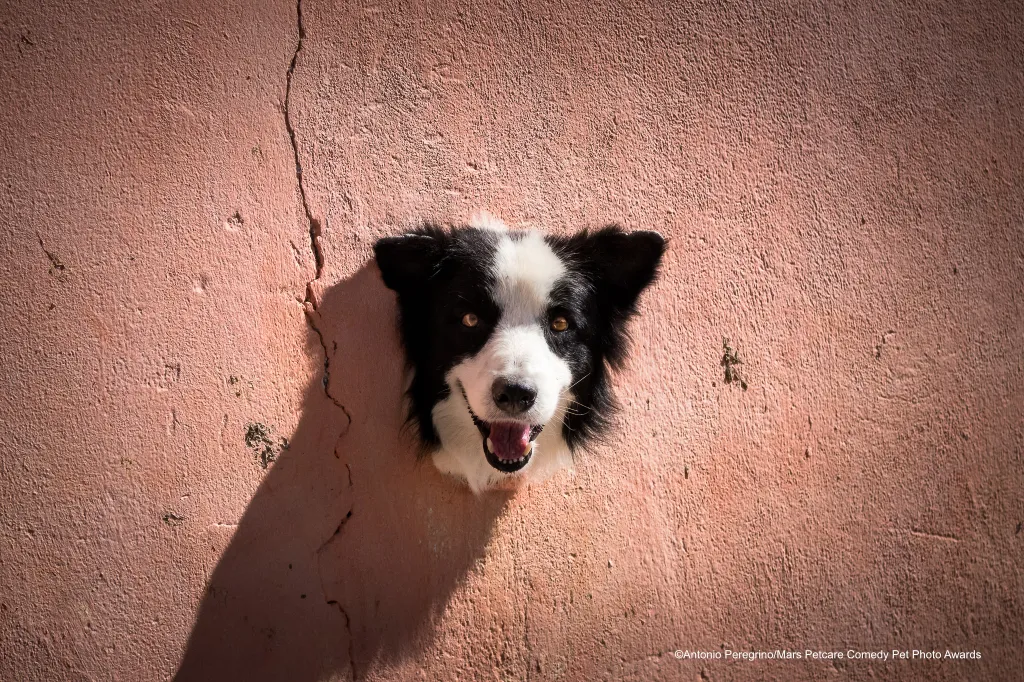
x=57, y=268
x=885, y=341
x=730, y=363
x=235, y=222
x=258, y=439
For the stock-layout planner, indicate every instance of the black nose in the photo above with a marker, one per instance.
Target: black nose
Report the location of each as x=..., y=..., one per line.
x=513, y=397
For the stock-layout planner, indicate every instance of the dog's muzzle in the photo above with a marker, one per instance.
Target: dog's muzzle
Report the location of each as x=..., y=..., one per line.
x=508, y=445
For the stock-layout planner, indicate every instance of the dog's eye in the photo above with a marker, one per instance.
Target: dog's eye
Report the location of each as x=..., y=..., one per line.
x=559, y=324
x=470, y=320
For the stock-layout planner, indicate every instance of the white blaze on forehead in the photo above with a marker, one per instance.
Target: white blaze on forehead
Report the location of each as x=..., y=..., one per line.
x=485, y=221
x=525, y=272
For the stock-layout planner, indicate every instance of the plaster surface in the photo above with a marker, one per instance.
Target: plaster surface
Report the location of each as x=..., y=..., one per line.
x=204, y=473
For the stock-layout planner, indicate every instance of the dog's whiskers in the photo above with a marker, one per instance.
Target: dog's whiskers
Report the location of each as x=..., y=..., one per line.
x=579, y=380
x=585, y=408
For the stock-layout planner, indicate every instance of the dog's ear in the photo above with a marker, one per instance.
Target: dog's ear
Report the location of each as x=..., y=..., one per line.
x=409, y=260
x=623, y=263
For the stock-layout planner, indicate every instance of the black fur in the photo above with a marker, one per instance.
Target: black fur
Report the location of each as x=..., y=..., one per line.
x=608, y=269
x=440, y=274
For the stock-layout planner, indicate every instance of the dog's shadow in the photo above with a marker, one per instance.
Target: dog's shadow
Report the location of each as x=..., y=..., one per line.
x=350, y=547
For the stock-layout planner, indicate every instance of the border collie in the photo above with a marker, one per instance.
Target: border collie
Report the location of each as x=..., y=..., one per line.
x=509, y=335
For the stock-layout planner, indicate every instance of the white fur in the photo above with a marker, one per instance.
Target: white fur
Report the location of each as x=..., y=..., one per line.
x=483, y=220
x=525, y=271
x=462, y=455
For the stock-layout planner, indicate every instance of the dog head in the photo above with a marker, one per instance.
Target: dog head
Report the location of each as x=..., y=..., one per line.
x=509, y=335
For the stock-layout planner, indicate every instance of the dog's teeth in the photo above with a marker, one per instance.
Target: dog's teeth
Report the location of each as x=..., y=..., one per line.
x=490, y=445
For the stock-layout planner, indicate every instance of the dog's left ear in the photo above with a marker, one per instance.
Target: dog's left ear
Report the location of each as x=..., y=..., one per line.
x=625, y=263
x=409, y=260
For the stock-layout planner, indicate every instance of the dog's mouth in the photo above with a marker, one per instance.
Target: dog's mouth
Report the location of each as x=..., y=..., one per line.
x=508, y=445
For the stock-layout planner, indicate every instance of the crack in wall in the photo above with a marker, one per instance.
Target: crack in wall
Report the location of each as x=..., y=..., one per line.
x=314, y=224
x=334, y=602
x=310, y=306
x=310, y=302
x=313, y=317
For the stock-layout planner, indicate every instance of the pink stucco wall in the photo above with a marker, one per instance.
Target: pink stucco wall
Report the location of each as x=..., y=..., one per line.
x=843, y=190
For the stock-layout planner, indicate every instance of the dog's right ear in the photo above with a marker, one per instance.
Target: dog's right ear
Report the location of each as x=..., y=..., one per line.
x=409, y=260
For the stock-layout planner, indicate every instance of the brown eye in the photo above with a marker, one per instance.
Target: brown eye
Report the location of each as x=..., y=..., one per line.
x=470, y=320
x=559, y=324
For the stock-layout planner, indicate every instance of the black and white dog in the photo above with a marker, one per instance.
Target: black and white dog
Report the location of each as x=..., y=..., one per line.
x=509, y=335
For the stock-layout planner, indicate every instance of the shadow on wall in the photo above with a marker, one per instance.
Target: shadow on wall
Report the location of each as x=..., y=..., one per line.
x=350, y=548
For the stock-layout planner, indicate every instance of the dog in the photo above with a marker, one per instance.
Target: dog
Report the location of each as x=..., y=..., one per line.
x=509, y=335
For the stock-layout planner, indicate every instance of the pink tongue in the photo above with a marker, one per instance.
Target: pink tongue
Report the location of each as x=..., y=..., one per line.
x=509, y=441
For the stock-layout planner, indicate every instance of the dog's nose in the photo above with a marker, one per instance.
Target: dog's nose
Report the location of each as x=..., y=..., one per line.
x=513, y=397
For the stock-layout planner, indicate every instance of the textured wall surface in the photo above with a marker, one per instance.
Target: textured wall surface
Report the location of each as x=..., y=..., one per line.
x=843, y=190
